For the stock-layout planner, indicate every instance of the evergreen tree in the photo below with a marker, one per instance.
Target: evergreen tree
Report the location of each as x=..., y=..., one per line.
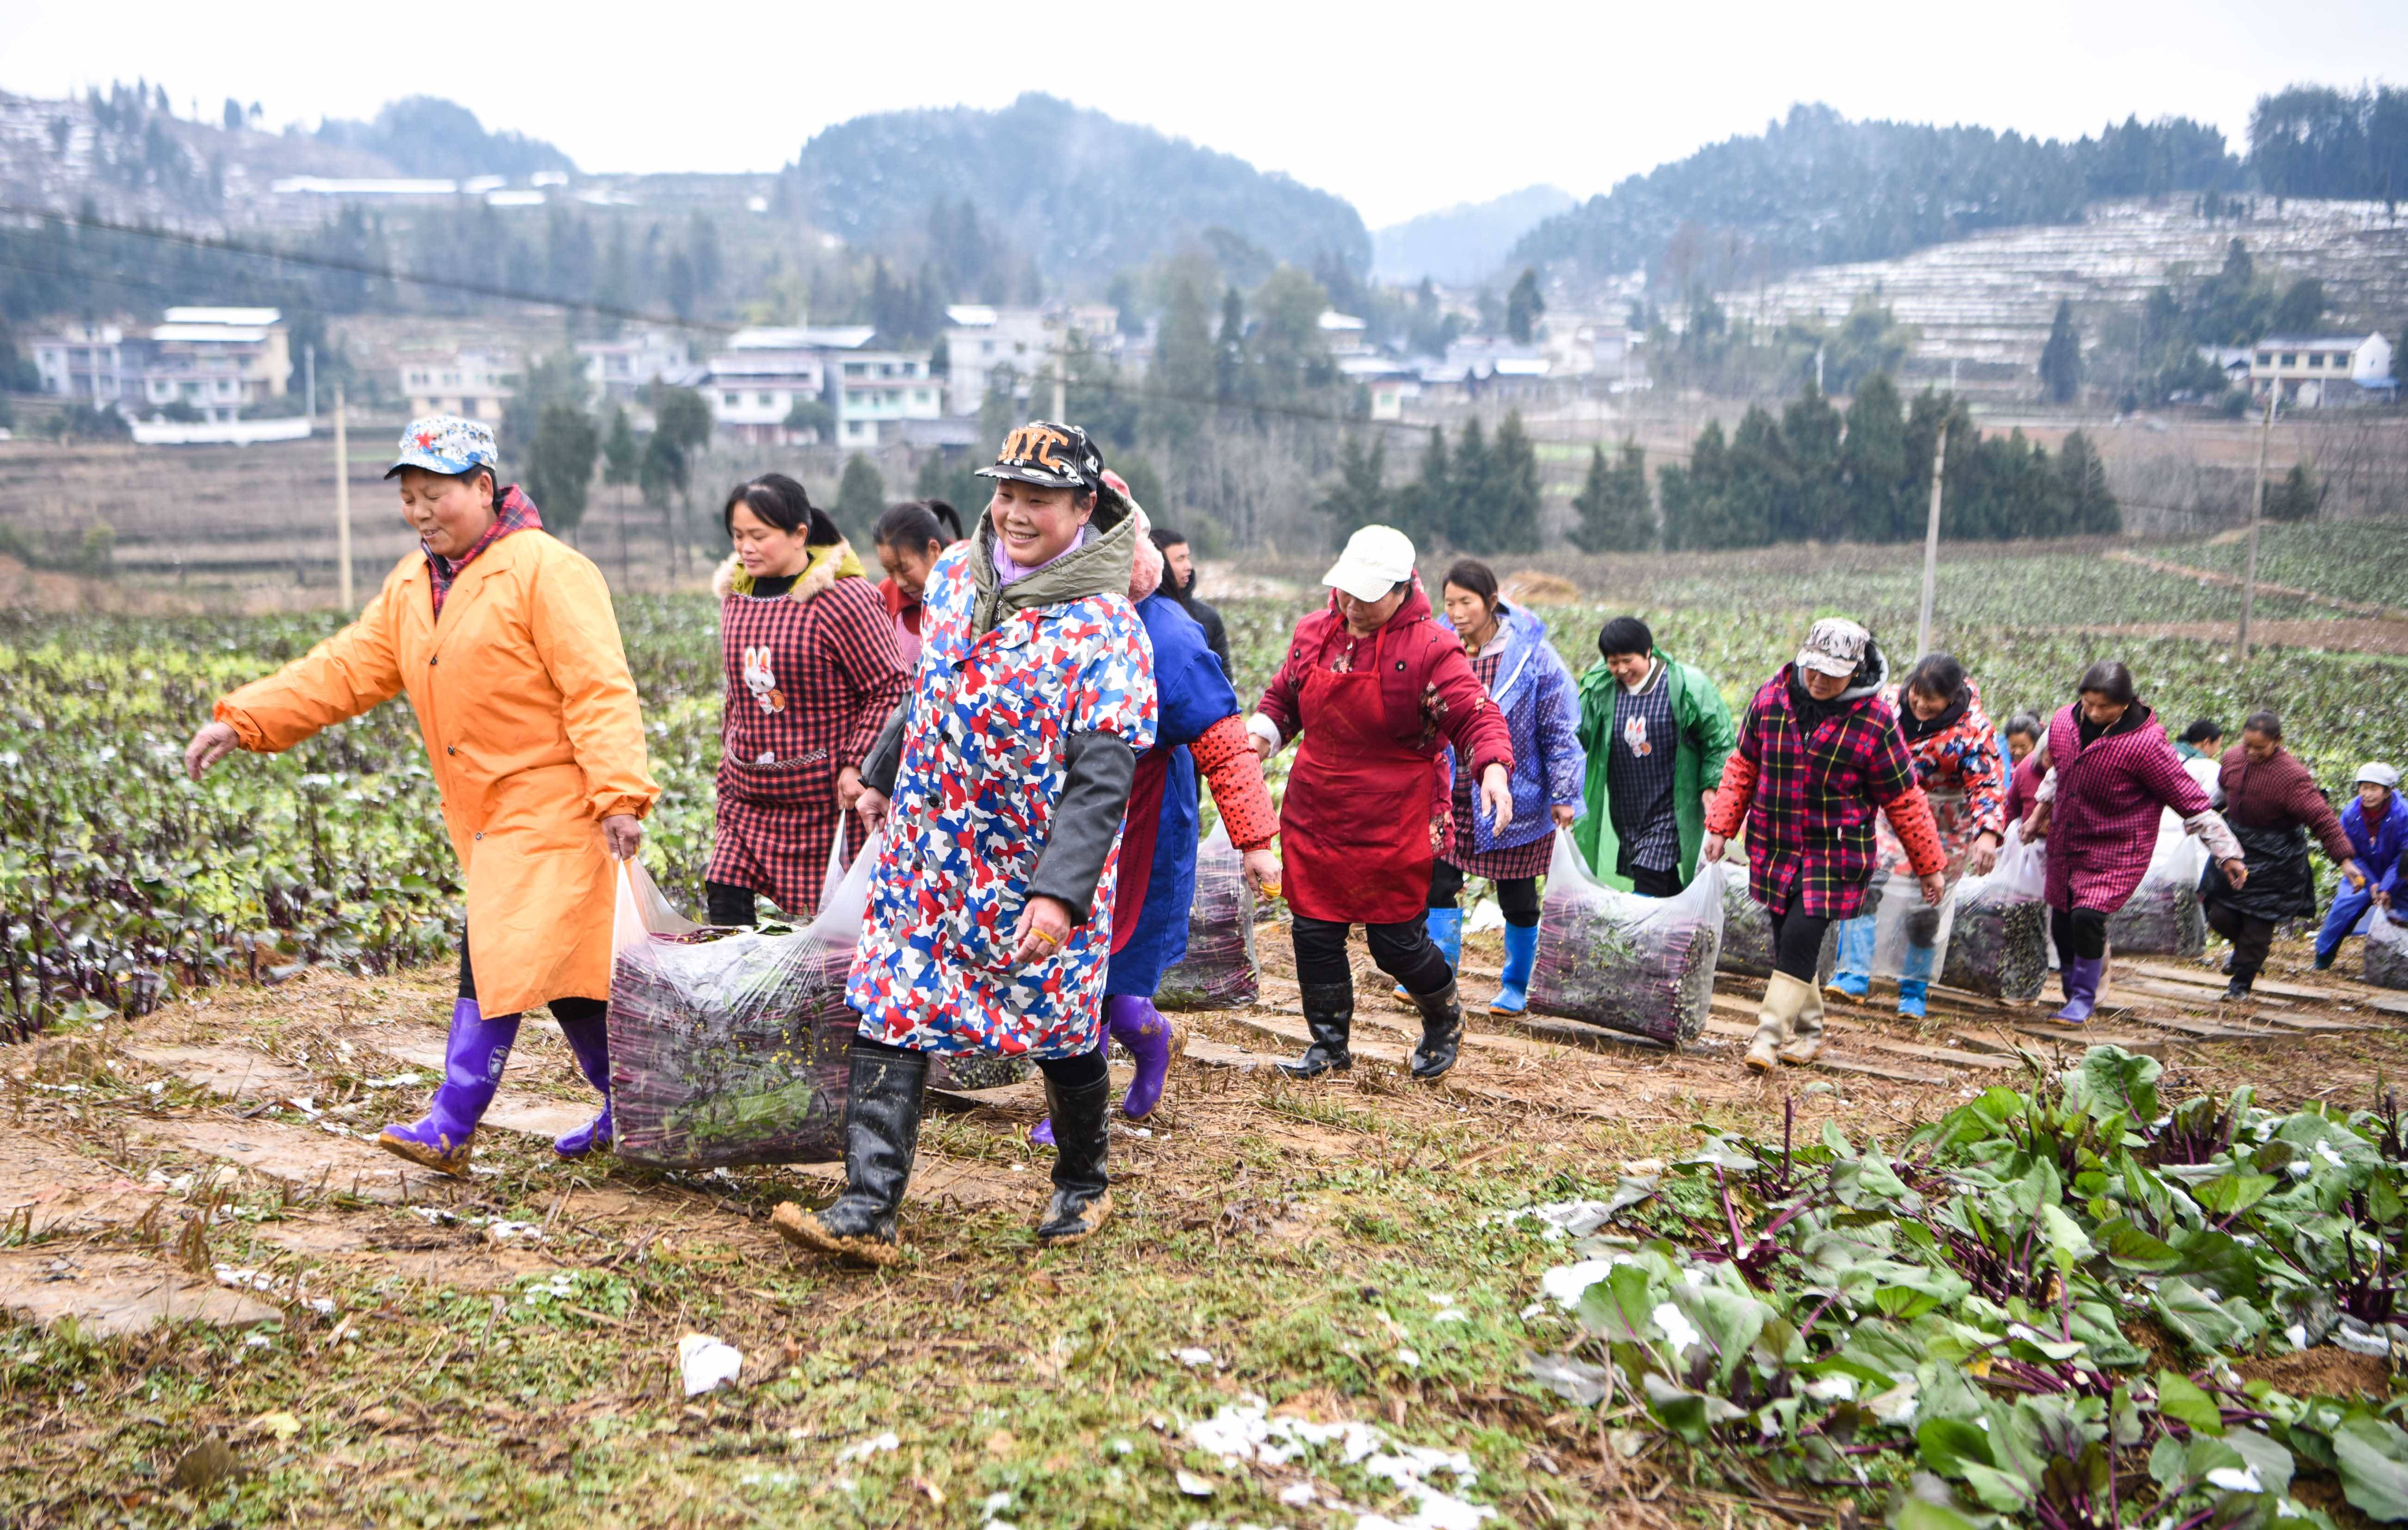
x=1761, y=482
x=2061, y=359
x=2298, y=499
x=1289, y=354
x=1522, y=306
x=1816, y=508
x=1184, y=377
x=560, y=464
x=1872, y=461
x=1465, y=522
x=1229, y=350
x=860, y=497
x=1360, y=496
x=621, y=452
x=1697, y=504
x=1510, y=518
x=1614, y=512
x=1425, y=507
x=2089, y=506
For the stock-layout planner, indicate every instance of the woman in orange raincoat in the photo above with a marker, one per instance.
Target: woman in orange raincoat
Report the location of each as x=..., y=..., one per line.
x=504, y=641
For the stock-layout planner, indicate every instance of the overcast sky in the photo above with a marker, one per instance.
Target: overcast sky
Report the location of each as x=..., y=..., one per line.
x=1400, y=108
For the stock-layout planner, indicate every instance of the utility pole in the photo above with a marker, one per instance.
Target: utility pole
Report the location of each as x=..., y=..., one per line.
x=2256, y=515
x=1818, y=368
x=309, y=373
x=343, y=502
x=1931, y=545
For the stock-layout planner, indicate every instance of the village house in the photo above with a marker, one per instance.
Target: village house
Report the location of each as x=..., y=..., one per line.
x=988, y=347
x=2314, y=372
x=215, y=362
x=473, y=385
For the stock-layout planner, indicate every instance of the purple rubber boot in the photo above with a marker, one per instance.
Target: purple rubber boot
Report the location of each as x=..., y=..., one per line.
x=473, y=1056
x=1136, y=1025
x=588, y=1038
x=2081, y=983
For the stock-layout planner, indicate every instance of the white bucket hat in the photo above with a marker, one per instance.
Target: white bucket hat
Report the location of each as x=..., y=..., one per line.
x=2375, y=774
x=1376, y=560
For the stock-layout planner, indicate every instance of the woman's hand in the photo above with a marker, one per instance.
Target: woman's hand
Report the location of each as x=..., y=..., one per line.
x=1496, y=795
x=1935, y=887
x=873, y=807
x=623, y=832
x=1044, y=925
x=1710, y=849
x=1982, y=859
x=2236, y=873
x=2036, y=825
x=1263, y=872
x=213, y=743
x=2357, y=877
x=848, y=788
x=1564, y=814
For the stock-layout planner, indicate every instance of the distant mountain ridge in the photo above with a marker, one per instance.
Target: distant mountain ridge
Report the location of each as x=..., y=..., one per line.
x=1093, y=195
x=1465, y=243
x=428, y=136
x=1815, y=188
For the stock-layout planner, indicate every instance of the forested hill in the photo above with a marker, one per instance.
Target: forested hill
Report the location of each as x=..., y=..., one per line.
x=1089, y=196
x=1817, y=188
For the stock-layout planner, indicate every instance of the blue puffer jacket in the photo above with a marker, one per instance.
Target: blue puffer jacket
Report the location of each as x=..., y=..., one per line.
x=2379, y=849
x=1542, y=707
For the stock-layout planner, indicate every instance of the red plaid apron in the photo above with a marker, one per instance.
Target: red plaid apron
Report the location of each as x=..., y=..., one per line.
x=777, y=814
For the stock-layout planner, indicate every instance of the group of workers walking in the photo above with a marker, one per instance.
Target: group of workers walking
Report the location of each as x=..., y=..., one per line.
x=1016, y=722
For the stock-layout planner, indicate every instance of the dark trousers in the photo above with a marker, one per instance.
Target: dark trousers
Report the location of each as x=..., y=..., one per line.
x=2080, y=933
x=728, y=904
x=1404, y=951
x=1517, y=895
x=1064, y=1072
x=1654, y=884
x=1797, y=944
x=2251, y=938
x=568, y=1011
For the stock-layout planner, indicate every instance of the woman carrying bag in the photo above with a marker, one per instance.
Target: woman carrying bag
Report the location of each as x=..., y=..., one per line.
x=505, y=642
x=1002, y=783
x=813, y=673
x=2272, y=805
x=1513, y=660
x=1819, y=753
x=1378, y=692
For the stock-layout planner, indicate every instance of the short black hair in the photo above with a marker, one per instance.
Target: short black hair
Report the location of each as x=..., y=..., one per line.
x=916, y=524
x=2110, y=679
x=2024, y=723
x=1166, y=538
x=1469, y=573
x=2264, y=723
x=783, y=503
x=1938, y=674
x=1625, y=635
x=2201, y=729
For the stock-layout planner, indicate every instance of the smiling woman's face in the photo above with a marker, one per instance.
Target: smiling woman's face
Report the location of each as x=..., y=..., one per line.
x=1036, y=524
x=448, y=513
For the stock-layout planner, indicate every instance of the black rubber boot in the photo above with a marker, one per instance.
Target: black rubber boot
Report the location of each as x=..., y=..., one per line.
x=1082, y=1195
x=1442, y=1033
x=882, y=1136
x=1329, y=1014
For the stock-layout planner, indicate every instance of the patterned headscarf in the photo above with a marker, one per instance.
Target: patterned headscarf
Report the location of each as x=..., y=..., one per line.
x=515, y=512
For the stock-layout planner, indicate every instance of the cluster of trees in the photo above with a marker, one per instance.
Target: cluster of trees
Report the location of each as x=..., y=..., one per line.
x=1711, y=352
x=1480, y=496
x=426, y=135
x=2231, y=306
x=2313, y=141
x=1815, y=474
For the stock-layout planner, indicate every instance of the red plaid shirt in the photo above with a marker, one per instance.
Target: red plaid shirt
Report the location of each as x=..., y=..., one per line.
x=516, y=513
x=1811, y=837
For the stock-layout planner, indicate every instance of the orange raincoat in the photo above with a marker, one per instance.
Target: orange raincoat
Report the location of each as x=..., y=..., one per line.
x=530, y=720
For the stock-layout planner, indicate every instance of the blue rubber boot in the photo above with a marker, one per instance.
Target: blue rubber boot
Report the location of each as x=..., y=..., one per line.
x=1855, y=972
x=1445, y=927
x=1915, y=980
x=1521, y=955
x=473, y=1055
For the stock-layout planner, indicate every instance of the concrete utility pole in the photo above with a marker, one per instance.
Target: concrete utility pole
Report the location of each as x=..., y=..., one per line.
x=1818, y=368
x=2256, y=515
x=343, y=500
x=310, y=376
x=1931, y=546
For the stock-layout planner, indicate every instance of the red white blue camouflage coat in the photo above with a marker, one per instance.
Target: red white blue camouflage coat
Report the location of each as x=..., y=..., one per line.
x=973, y=803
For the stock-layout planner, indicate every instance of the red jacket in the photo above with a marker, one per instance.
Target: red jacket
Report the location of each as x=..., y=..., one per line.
x=2277, y=793
x=2102, y=824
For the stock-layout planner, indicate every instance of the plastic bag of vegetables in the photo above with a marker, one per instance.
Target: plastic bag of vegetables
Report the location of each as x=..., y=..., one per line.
x=731, y=1046
x=1998, y=942
x=1747, y=929
x=1616, y=960
x=2387, y=952
x=1220, y=970
x=2163, y=917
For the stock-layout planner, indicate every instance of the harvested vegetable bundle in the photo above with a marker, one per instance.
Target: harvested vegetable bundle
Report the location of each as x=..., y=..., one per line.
x=1616, y=960
x=2163, y=917
x=1220, y=970
x=1747, y=929
x=1999, y=942
x=2387, y=952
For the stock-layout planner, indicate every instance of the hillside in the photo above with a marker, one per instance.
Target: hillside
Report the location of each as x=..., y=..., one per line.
x=1096, y=194
x=1815, y=188
x=1466, y=243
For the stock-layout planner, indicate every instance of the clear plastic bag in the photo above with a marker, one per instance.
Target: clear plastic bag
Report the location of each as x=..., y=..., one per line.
x=1747, y=929
x=2387, y=952
x=2163, y=917
x=731, y=1046
x=1220, y=970
x=1998, y=942
x=1616, y=960
x=1905, y=928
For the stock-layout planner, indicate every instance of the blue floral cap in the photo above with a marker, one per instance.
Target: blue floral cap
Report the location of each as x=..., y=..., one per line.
x=446, y=443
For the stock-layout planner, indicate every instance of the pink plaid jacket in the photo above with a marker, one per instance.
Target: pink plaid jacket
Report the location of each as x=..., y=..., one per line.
x=2102, y=825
